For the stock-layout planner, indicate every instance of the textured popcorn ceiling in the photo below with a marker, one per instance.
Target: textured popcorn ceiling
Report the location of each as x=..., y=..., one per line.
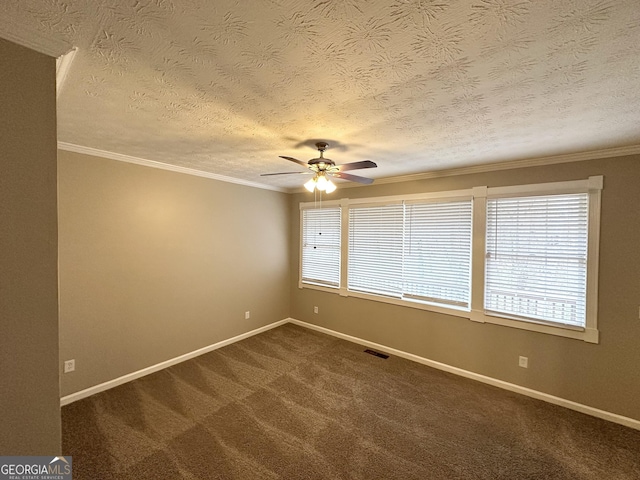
x=414, y=85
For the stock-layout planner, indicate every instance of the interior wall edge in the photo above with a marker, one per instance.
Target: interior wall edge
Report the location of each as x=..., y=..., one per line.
x=29, y=293
x=512, y=387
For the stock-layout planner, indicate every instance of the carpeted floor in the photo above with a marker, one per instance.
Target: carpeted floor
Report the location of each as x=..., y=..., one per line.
x=292, y=403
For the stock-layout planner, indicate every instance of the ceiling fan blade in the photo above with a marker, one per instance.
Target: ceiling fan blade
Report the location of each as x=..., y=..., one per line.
x=356, y=165
x=286, y=173
x=295, y=160
x=354, y=178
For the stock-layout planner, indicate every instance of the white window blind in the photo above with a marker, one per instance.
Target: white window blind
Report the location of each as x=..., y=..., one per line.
x=416, y=251
x=437, y=252
x=536, y=259
x=321, y=246
x=375, y=249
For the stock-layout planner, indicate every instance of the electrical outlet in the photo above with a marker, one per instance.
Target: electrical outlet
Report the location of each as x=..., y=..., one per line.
x=523, y=362
x=315, y=309
x=247, y=315
x=69, y=366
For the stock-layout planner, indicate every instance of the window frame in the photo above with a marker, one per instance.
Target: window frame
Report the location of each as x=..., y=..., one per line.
x=302, y=249
x=479, y=195
x=310, y=206
x=403, y=294
x=593, y=187
x=349, y=245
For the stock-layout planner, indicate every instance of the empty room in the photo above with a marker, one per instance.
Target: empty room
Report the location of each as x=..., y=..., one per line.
x=290, y=239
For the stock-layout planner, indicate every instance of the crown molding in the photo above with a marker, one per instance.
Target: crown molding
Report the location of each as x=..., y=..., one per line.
x=508, y=165
x=474, y=169
x=63, y=64
x=70, y=147
x=31, y=38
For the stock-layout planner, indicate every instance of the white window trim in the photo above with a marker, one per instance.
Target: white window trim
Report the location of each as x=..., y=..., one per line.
x=315, y=286
x=593, y=186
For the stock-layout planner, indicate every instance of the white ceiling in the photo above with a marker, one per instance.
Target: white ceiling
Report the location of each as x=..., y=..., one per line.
x=415, y=85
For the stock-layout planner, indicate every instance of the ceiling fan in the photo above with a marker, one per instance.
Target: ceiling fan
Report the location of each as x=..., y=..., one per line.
x=323, y=168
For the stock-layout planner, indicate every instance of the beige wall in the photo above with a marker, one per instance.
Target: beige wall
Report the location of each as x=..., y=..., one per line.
x=155, y=264
x=604, y=376
x=29, y=394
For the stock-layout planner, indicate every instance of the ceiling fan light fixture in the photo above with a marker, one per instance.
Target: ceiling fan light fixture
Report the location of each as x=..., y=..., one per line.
x=311, y=185
x=321, y=182
x=331, y=187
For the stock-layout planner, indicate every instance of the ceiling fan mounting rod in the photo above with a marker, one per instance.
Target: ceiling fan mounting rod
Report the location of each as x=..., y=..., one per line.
x=322, y=163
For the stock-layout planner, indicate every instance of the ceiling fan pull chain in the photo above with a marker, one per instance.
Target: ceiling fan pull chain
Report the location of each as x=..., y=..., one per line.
x=320, y=195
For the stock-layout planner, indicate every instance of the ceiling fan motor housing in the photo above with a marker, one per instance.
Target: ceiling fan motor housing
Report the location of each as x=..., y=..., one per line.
x=322, y=146
x=316, y=161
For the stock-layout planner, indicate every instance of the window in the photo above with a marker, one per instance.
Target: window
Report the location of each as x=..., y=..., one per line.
x=375, y=250
x=321, y=246
x=520, y=256
x=536, y=260
x=437, y=253
x=412, y=250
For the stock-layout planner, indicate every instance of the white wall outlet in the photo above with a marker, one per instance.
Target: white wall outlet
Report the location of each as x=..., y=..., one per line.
x=523, y=362
x=247, y=315
x=69, y=366
x=315, y=309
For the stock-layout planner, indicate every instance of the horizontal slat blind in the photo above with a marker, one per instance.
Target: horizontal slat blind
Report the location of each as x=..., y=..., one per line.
x=375, y=249
x=321, y=246
x=536, y=260
x=437, y=252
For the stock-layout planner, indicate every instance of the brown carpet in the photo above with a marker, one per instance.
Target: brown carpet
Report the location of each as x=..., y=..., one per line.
x=292, y=403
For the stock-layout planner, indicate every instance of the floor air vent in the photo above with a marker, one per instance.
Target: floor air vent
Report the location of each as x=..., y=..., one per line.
x=376, y=354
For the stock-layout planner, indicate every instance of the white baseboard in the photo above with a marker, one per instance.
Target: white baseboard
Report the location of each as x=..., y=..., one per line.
x=612, y=417
x=159, y=366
